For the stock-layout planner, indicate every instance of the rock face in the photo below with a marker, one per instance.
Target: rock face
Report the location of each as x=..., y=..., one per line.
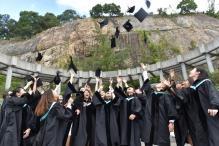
x=74, y=38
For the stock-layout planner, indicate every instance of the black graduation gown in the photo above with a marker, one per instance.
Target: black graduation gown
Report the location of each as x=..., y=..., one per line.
x=181, y=124
x=129, y=129
x=14, y=109
x=196, y=130
x=83, y=129
x=49, y=134
x=158, y=111
x=3, y=123
x=106, y=128
x=28, y=121
x=70, y=89
x=207, y=97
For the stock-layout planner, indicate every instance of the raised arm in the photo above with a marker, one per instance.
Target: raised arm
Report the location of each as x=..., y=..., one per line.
x=118, y=81
x=71, y=77
x=97, y=82
x=125, y=82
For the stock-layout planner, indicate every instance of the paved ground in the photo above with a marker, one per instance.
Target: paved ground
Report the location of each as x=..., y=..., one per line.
x=173, y=143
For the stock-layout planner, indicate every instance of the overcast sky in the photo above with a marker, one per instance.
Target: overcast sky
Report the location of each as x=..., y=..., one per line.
x=13, y=7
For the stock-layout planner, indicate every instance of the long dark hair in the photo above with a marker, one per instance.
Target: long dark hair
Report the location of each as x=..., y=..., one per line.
x=203, y=74
x=6, y=94
x=16, y=90
x=46, y=100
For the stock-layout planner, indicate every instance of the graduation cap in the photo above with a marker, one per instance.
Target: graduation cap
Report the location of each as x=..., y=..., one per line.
x=131, y=9
x=39, y=82
x=148, y=3
x=117, y=32
x=145, y=38
x=113, y=42
x=128, y=26
x=98, y=72
x=39, y=57
x=141, y=14
x=72, y=66
x=103, y=23
x=57, y=79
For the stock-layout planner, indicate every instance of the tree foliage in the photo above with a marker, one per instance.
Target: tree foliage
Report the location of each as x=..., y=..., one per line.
x=68, y=16
x=30, y=23
x=107, y=9
x=187, y=6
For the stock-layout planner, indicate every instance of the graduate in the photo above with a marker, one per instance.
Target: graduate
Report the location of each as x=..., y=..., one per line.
x=53, y=118
x=16, y=130
x=159, y=111
x=3, y=123
x=83, y=129
x=203, y=97
x=130, y=113
x=181, y=126
x=106, y=128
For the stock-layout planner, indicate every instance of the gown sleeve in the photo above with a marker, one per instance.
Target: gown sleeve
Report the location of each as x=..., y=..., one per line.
x=212, y=94
x=20, y=101
x=63, y=113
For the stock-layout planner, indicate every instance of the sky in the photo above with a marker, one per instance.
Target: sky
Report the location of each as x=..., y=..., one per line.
x=82, y=7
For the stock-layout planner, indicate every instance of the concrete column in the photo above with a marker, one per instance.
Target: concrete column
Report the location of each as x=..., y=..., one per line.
x=161, y=74
x=184, y=72
x=209, y=63
x=80, y=82
x=23, y=82
x=140, y=80
x=8, y=78
x=121, y=84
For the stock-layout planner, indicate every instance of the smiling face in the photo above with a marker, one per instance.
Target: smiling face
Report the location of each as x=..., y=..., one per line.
x=102, y=94
x=194, y=74
x=130, y=91
x=86, y=94
x=108, y=95
x=20, y=93
x=160, y=86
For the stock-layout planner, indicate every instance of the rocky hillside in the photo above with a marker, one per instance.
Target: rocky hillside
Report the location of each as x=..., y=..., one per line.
x=172, y=35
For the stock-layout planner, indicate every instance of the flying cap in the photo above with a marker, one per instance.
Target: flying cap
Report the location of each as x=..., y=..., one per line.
x=117, y=32
x=148, y=3
x=57, y=79
x=128, y=26
x=39, y=57
x=103, y=23
x=72, y=66
x=131, y=9
x=141, y=14
x=98, y=72
x=113, y=42
x=39, y=82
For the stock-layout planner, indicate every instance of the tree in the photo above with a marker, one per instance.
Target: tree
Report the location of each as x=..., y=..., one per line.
x=187, y=6
x=29, y=24
x=108, y=9
x=68, y=16
x=96, y=11
x=50, y=20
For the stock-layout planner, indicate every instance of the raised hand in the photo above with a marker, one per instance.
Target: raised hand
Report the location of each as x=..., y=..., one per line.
x=97, y=79
x=111, y=80
x=144, y=67
x=172, y=74
x=124, y=80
